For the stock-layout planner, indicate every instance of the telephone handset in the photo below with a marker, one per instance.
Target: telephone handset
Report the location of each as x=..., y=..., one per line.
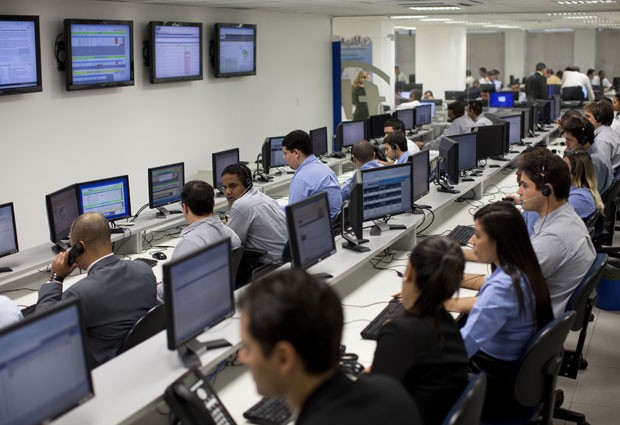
x=194, y=402
x=76, y=250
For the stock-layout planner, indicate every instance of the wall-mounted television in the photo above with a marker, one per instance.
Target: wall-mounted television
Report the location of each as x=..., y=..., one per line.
x=175, y=51
x=99, y=53
x=20, y=57
x=234, y=50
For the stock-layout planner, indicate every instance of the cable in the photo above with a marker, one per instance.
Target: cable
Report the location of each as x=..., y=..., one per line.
x=6, y=291
x=133, y=218
x=367, y=305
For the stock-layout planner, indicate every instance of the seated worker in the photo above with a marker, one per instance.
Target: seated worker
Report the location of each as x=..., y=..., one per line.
x=423, y=348
x=518, y=95
x=601, y=116
x=459, y=123
x=9, y=312
x=392, y=125
x=363, y=157
x=256, y=218
x=112, y=296
x=396, y=147
x=414, y=100
x=615, y=125
x=474, y=112
x=291, y=328
x=579, y=136
x=428, y=95
x=552, y=78
x=197, y=201
x=311, y=176
x=511, y=307
x=485, y=96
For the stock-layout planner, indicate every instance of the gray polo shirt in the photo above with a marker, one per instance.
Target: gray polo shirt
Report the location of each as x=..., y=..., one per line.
x=565, y=253
x=602, y=168
x=260, y=223
x=608, y=143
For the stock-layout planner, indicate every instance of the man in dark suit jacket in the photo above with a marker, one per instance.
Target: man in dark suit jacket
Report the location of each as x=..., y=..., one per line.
x=291, y=326
x=112, y=297
x=536, y=84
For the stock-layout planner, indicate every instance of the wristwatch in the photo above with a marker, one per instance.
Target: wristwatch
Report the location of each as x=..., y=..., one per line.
x=55, y=278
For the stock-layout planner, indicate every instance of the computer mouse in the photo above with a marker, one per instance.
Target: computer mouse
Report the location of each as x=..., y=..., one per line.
x=159, y=255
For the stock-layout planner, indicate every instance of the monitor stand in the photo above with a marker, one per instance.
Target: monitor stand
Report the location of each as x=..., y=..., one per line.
x=190, y=352
x=60, y=247
x=419, y=209
x=163, y=212
x=354, y=244
x=322, y=276
x=5, y=269
x=500, y=158
x=382, y=226
x=444, y=186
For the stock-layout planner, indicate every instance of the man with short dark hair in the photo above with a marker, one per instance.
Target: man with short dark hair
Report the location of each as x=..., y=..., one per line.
x=291, y=328
x=459, y=123
x=414, y=100
x=363, y=157
x=536, y=84
x=311, y=176
x=601, y=116
x=112, y=296
x=474, y=112
x=396, y=147
x=394, y=124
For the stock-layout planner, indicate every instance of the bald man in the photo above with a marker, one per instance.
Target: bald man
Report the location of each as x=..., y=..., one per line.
x=113, y=295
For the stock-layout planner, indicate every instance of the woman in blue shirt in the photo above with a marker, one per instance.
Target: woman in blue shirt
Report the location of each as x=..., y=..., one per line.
x=511, y=307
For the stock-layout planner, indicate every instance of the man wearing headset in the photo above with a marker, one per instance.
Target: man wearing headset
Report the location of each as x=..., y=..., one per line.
x=396, y=147
x=363, y=157
x=601, y=116
x=256, y=218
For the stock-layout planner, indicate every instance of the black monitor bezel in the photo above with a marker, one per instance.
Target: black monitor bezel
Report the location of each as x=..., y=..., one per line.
x=66, y=304
x=399, y=112
x=16, y=244
x=450, y=156
x=544, y=111
x=383, y=169
x=81, y=205
x=69, y=84
x=480, y=141
x=323, y=142
x=217, y=49
x=266, y=154
x=511, y=115
x=423, y=105
x=50, y=211
x=340, y=133
x=214, y=157
x=414, y=183
x=38, y=85
x=172, y=342
x=153, y=51
x=457, y=138
x=373, y=129
x=150, y=187
x=453, y=95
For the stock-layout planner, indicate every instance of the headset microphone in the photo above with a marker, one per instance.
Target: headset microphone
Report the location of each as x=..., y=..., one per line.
x=530, y=199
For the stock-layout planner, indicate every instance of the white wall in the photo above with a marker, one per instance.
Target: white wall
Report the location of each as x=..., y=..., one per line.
x=584, y=49
x=55, y=138
x=515, y=58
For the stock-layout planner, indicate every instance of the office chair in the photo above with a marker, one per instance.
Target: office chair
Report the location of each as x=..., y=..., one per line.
x=249, y=265
x=605, y=226
x=237, y=255
x=591, y=221
x=468, y=407
x=153, y=322
x=539, y=366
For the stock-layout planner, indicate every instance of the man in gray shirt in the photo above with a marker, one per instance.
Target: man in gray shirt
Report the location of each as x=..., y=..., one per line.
x=256, y=218
x=459, y=123
x=601, y=115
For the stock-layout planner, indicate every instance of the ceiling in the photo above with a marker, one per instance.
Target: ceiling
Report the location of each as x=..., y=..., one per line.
x=476, y=14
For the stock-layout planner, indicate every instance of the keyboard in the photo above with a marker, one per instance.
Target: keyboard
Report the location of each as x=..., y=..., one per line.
x=461, y=234
x=269, y=411
x=371, y=331
x=149, y=261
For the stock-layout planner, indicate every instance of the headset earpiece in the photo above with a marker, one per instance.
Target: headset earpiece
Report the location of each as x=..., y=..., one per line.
x=597, y=113
x=248, y=183
x=545, y=190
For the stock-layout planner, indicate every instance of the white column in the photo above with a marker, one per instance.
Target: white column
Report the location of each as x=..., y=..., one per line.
x=584, y=49
x=514, y=59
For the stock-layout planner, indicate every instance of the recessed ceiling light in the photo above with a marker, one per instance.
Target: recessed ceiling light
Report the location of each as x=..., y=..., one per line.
x=436, y=8
x=409, y=17
x=436, y=20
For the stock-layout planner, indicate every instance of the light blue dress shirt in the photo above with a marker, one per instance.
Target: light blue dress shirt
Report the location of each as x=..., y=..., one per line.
x=345, y=190
x=312, y=177
x=602, y=168
x=403, y=158
x=9, y=312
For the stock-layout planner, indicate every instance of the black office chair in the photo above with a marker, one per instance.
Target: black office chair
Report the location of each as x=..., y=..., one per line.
x=605, y=226
x=248, y=265
x=591, y=221
x=237, y=256
x=468, y=407
x=153, y=322
x=539, y=366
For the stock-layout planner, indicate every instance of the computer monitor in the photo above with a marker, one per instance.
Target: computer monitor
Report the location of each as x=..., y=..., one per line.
x=44, y=371
x=198, y=293
x=165, y=186
x=450, y=95
x=407, y=116
x=349, y=133
x=467, y=150
x=8, y=230
x=319, y=141
x=272, y=155
x=175, y=51
x=221, y=160
x=616, y=83
x=110, y=197
x=502, y=99
x=375, y=125
x=311, y=235
x=423, y=114
x=488, y=87
x=490, y=141
x=21, y=55
x=544, y=111
x=449, y=154
x=433, y=104
x=421, y=168
x=515, y=128
x=62, y=209
x=534, y=115
x=553, y=89
x=556, y=107
x=525, y=122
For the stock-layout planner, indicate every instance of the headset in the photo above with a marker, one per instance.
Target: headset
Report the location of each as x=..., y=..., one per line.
x=544, y=189
x=247, y=174
x=597, y=112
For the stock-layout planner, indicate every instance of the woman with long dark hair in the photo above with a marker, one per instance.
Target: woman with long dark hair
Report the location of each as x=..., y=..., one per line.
x=422, y=348
x=513, y=304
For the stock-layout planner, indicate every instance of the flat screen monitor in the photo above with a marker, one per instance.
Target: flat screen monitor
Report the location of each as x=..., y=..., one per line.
x=449, y=154
x=99, y=53
x=450, y=95
x=198, y=293
x=165, y=186
x=109, y=197
x=488, y=87
x=407, y=116
x=175, y=51
x=8, y=230
x=433, y=104
x=311, y=235
x=349, y=133
x=544, y=111
x=553, y=89
x=272, y=155
x=467, y=150
x=525, y=122
x=556, y=107
x=221, y=160
x=20, y=71
x=490, y=141
x=502, y=99
x=319, y=141
x=235, y=50
x=44, y=371
x=387, y=191
x=534, y=115
x=514, y=130
x=376, y=124
x=62, y=209
x=423, y=114
x=421, y=169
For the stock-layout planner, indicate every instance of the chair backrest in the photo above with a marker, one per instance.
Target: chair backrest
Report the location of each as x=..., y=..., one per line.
x=578, y=300
x=153, y=322
x=237, y=255
x=541, y=361
x=468, y=407
x=591, y=220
